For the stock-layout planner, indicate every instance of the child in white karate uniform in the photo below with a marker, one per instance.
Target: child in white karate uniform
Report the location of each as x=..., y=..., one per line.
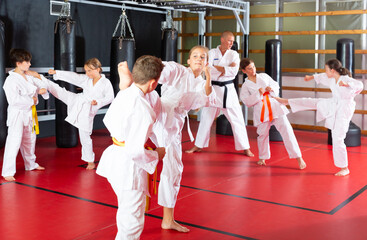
x=126, y=162
x=337, y=111
x=82, y=107
x=21, y=88
x=258, y=91
x=183, y=89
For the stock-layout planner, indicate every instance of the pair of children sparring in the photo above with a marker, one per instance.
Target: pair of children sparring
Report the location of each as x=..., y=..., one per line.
x=162, y=120
x=22, y=87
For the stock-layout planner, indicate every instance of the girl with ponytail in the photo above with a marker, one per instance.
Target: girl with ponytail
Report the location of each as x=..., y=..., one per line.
x=337, y=111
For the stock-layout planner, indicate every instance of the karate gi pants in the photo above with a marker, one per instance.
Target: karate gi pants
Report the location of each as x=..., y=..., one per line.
x=234, y=116
x=19, y=137
x=130, y=213
x=169, y=184
x=286, y=131
x=339, y=132
x=84, y=136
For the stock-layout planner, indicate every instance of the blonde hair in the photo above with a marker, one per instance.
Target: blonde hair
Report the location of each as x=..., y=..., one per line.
x=206, y=50
x=94, y=63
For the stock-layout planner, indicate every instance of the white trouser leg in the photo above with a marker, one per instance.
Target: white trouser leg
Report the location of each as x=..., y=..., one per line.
x=12, y=145
x=27, y=148
x=130, y=213
x=60, y=93
x=87, y=146
x=303, y=104
x=207, y=117
x=263, y=140
x=338, y=135
x=235, y=117
x=286, y=131
x=171, y=175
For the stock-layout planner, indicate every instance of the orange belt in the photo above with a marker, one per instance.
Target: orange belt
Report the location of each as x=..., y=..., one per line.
x=266, y=98
x=152, y=186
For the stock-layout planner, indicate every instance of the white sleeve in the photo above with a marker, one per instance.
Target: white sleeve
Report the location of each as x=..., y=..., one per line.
x=71, y=77
x=233, y=71
x=15, y=98
x=108, y=95
x=322, y=79
x=140, y=128
x=249, y=99
x=41, y=84
x=172, y=73
x=273, y=84
x=355, y=87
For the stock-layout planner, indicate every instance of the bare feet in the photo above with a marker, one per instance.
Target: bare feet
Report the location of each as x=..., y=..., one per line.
x=193, y=149
x=261, y=162
x=301, y=163
x=248, y=153
x=40, y=168
x=9, y=178
x=282, y=100
x=91, y=165
x=343, y=172
x=173, y=225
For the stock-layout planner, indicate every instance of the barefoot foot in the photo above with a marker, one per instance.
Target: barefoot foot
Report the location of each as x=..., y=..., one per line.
x=91, y=165
x=40, y=168
x=9, y=178
x=173, y=225
x=248, y=153
x=261, y=162
x=193, y=149
x=301, y=163
x=343, y=172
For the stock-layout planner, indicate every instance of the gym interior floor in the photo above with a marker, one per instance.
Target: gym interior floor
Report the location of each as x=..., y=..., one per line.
x=224, y=195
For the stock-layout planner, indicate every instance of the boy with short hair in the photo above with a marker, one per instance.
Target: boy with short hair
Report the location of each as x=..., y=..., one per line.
x=21, y=88
x=126, y=162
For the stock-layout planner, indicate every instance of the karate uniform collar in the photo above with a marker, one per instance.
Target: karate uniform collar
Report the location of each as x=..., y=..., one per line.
x=17, y=75
x=138, y=90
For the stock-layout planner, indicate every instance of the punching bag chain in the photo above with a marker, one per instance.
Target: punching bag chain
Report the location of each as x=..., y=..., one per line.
x=124, y=21
x=64, y=15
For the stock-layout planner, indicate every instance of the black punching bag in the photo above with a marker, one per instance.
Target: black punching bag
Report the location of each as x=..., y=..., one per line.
x=3, y=102
x=64, y=49
x=273, y=67
x=345, y=54
x=122, y=49
x=169, y=48
x=169, y=44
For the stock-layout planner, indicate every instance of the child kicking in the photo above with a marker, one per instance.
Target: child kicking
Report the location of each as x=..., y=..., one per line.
x=183, y=89
x=82, y=107
x=337, y=111
x=258, y=91
x=126, y=162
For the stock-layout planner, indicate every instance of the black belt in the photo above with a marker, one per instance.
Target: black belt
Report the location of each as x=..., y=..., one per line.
x=223, y=84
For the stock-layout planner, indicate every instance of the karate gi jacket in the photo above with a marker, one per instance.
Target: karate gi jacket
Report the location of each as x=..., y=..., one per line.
x=80, y=112
x=251, y=96
x=217, y=59
x=342, y=99
x=19, y=94
x=129, y=119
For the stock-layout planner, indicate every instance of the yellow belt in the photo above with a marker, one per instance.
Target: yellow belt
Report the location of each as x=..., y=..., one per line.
x=115, y=142
x=35, y=125
x=151, y=189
